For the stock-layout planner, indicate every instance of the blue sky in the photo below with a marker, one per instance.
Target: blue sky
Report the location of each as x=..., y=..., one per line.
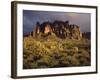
x=31, y=17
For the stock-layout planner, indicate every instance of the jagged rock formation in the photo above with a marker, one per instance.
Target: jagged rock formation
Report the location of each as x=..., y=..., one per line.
x=59, y=28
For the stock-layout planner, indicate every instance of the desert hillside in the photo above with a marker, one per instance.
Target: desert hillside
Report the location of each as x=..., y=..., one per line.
x=57, y=44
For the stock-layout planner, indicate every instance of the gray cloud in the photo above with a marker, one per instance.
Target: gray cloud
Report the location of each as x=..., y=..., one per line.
x=31, y=17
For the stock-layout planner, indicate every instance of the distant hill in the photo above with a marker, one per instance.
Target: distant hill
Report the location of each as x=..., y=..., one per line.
x=86, y=35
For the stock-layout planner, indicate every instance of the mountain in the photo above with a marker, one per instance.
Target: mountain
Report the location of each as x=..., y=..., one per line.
x=60, y=28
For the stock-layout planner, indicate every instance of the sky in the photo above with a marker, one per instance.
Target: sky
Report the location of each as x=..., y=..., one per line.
x=30, y=18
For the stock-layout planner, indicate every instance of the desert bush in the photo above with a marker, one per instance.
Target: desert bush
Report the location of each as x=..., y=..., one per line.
x=55, y=52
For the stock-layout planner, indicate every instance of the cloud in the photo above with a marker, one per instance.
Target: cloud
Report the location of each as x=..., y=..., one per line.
x=31, y=17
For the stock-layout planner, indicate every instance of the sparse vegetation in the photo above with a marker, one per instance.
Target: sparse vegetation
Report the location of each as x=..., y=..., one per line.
x=51, y=51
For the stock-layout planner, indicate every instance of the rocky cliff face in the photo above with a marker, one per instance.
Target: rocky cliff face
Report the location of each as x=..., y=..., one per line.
x=59, y=28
